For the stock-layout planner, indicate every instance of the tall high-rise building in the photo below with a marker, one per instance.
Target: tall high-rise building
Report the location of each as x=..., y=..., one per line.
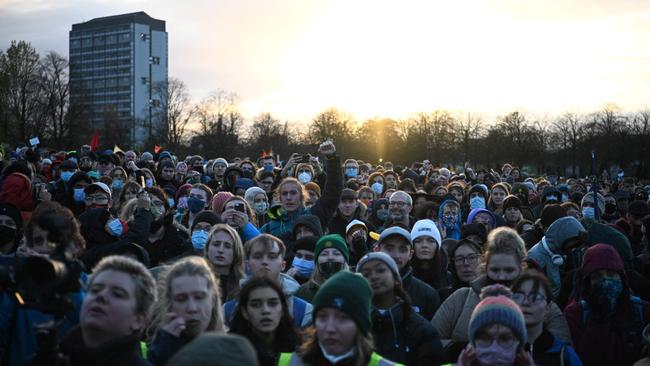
x=118, y=67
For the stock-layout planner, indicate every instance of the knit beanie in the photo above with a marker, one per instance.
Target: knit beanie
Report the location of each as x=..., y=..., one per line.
x=426, y=228
x=332, y=241
x=383, y=257
x=511, y=201
x=311, y=186
x=589, y=198
x=498, y=310
x=550, y=213
x=252, y=192
x=349, y=293
x=206, y=216
x=307, y=243
x=219, y=200
x=214, y=349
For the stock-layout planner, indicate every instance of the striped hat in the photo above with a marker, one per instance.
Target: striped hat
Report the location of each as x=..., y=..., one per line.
x=498, y=310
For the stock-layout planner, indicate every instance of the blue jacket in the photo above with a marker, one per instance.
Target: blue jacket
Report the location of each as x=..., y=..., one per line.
x=547, y=349
x=17, y=332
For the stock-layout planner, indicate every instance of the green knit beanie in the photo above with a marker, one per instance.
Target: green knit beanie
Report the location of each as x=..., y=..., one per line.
x=348, y=292
x=332, y=241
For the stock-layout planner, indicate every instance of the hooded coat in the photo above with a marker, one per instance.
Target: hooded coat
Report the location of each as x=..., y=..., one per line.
x=67, y=196
x=557, y=234
x=413, y=343
x=281, y=224
x=451, y=232
x=609, y=341
x=17, y=190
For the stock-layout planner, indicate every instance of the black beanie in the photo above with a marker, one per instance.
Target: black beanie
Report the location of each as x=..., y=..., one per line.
x=206, y=216
x=306, y=243
x=511, y=201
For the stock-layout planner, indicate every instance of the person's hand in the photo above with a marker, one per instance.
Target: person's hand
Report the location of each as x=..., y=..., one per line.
x=327, y=148
x=240, y=219
x=174, y=324
x=467, y=356
x=25, y=251
x=44, y=195
x=293, y=271
x=144, y=201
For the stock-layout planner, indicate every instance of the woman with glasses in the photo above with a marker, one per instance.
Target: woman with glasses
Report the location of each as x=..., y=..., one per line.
x=497, y=332
x=532, y=292
x=503, y=262
x=465, y=263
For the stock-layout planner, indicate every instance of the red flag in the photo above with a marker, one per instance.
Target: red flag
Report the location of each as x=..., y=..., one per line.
x=156, y=149
x=94, y=143
x=267, y=153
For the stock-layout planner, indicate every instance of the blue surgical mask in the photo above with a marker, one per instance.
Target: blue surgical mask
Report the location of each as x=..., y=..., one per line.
x=78, y=195
x=195, y=205
x=304, y=177
x=304, y=267
x=565, y=197
x=268, y=168
x=551, y=197
x=260, y=207
x=199, y=239
x=377, y=187
x=117, y=184
x=589, y=212
x=171, y=202
x=115, y=227
x=477, y=202
x=351, y=172
x=65, y=176
x=148, y=182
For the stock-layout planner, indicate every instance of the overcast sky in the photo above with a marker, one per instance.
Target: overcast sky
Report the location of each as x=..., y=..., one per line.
x=384, y=58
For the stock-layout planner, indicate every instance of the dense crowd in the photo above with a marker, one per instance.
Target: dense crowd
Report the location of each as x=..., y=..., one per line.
x=317, y=261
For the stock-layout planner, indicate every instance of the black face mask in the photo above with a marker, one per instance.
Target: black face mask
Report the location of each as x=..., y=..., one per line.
x=7, y=235
x=328, y=269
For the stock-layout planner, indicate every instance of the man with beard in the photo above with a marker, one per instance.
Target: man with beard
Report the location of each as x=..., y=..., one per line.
x=400, y=205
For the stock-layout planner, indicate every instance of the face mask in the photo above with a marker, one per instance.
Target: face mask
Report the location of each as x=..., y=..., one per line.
x=247, y=174
x=65, y=176
x=449, y=221
x=115, y=227
x=195, y=205
x=7, y=234
x=117, y=184
x=182, y=203
x=351, y=172
x=148, y=182
x=78, y=195
x=328, y=269
x=304, y=177
x=565, y=197
x=382, y=215
x=477, y=202
x=304, y=267
x=199, y=239
x=551, y=197
x=268, y=168
x=610, y=208
x=495, y=355
x=171, y=202
x=260, y=207
x=606, y=292
x=377, y=187
x=155, y=211
x=589, y=212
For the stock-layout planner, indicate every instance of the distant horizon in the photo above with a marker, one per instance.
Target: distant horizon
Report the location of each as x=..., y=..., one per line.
x=375, y=59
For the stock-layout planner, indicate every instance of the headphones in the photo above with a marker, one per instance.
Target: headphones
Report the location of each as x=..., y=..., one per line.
x=557, y=259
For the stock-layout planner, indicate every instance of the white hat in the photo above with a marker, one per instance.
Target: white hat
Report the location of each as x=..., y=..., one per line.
x=98, y=185
x=354, y=223
x=426, y=228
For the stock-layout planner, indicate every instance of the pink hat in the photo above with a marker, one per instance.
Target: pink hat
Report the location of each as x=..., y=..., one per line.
x=219, y=200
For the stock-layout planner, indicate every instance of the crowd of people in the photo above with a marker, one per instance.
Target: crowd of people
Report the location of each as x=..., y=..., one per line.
x=318, y=261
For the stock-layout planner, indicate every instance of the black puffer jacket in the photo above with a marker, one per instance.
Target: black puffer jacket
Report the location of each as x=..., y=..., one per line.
x=121, y=351
x=425, y=299
x=414, y=342
x=174, y=242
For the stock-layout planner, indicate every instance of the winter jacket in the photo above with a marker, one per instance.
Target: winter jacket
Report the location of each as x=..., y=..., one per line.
x=599, y=340
x=66, y=193
x=558, y=233
x=281, y=224
x=308, y=290
x=122, y=351
x=424, y=298
x=338, y=223
x=548, y=350
x=174, y=243
x=413, y=343
x=100, y=243
x=444, y=276
x=17, y=190
x=300, y=309
x=17, y=332
x=292, y=359
x=164, y=347
x=451, y=231
x=452, y=318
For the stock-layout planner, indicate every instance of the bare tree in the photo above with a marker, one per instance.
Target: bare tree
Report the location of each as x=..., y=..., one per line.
x=568, y=131
x=175, y=113
x=56, y=98
x=467, y=128
x=332, y=123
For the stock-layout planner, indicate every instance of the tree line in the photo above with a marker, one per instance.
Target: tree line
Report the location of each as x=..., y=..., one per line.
x=35, y=101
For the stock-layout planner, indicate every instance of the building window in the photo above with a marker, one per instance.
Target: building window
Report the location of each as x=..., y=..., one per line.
x=155, y=60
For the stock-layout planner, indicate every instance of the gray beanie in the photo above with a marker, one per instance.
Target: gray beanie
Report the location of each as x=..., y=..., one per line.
x=589, y=197
x=380, y=256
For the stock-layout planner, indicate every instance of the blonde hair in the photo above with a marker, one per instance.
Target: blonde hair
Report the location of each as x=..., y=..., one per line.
x=188, y=266
x=504, y=240
x=237, y=265
x=127, y=211
x=301, y=189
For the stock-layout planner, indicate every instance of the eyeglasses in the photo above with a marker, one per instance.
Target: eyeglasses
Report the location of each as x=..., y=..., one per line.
x=520, y=298
x=471, y=259
x=100, y=198
x=397, y=204
x=266, y=182
x=289, y=193
x=505, y=341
